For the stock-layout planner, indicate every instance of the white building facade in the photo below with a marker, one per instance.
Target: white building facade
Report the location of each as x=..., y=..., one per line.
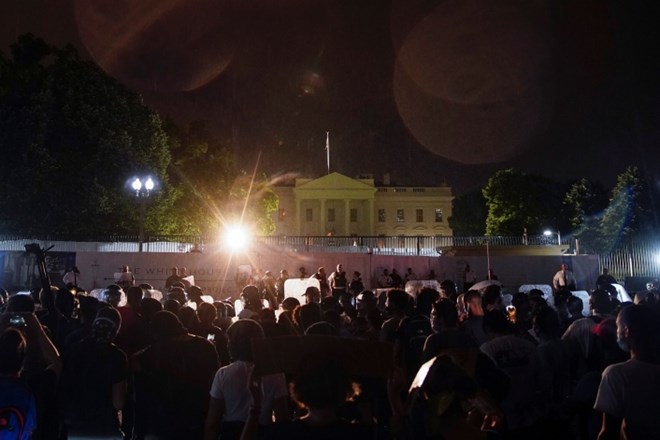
x=337, y=205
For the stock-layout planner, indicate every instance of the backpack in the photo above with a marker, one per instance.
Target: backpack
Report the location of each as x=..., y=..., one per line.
x=12, y=423
x=413, y=332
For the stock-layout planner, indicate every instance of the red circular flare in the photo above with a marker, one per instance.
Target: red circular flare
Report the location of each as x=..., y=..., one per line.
x=472, y=79
x=168, y=45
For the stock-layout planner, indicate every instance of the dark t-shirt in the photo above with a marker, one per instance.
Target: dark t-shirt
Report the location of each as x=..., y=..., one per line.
x=172, y=382
x=446, y=339
x=91, y=369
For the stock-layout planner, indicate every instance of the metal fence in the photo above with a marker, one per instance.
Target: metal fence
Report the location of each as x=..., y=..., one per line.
x=391, y=245
x=638, y=257
x=116, y=243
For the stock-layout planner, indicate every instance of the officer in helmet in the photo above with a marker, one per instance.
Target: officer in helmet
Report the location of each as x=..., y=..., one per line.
x=252, y=302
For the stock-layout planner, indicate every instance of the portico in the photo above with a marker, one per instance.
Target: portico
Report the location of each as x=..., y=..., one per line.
x=333, y=205
x=337, y=205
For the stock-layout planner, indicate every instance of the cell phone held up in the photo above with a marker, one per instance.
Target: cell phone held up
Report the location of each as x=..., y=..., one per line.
x=17, y=320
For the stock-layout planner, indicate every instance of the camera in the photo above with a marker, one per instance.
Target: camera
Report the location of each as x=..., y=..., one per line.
x=17, y=320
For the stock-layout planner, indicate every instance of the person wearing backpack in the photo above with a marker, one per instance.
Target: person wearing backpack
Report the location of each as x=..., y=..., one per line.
x=94, y=381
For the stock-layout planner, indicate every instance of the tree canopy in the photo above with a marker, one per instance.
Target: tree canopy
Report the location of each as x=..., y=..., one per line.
x=518, y=201
x=469, y=213
x=73, y=139
x=628, y=211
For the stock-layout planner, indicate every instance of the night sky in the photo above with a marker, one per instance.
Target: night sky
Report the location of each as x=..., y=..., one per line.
x=430, y=91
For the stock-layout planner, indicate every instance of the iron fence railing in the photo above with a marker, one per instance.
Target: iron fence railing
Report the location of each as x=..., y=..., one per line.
x=638, y=257
x=395, y=245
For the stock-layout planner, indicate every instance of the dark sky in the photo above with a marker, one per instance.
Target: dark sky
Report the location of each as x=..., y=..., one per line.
x=430, y=91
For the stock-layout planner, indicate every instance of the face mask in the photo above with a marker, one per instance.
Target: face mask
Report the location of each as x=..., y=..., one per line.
x=623, y=343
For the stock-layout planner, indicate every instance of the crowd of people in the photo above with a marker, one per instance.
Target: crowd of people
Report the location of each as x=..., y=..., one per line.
x=470, y=364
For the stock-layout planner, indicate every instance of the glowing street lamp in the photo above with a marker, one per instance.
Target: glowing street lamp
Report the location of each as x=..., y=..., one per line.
x=142, y=192
x=137, y=186
x=548, y=233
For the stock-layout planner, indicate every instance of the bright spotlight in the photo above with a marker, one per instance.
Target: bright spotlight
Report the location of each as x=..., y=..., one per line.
x=547, y=233
x=236, y=237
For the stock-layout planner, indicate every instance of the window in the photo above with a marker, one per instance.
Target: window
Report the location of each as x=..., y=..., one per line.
x=308, y=214
x=400, y=216
x=353, y=215
x=381, y=216
x=438, y=215
x=419, y=215
x=331, y=214
x=281, y=215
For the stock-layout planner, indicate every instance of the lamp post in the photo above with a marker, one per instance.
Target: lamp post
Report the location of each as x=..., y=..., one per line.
x=548, y=233
x=142, y=192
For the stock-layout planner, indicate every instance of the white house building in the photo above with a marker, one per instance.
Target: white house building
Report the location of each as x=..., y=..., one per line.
x=342, y=206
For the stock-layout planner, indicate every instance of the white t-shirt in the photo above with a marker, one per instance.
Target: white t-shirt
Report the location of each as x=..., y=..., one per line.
x=230, y=384
x=629, y=390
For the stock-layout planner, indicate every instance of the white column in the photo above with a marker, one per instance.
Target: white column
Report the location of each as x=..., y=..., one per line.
x=297, y=219
x=322, y=217
x=370, y=213
x=347, y=216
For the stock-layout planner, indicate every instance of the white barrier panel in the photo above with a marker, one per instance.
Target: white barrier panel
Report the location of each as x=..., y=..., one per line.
x=545, y=288
x=584, y=296
x=153, y=293
x=239, y=305
x=98, y=294
x=415, y=286
x=296, y=287
x=621, y=293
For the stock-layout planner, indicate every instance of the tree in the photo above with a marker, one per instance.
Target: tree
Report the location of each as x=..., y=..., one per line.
x=202, y=171
x=253, y=201
x=213, y=192
x=583, y=200
x=72, y=139
x=469, y=213
x=517, y=201
x=628, y=210
x=583, y=205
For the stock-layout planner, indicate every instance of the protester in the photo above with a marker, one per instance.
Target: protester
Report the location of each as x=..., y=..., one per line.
x=94, y=382
x=628, y=391
x=172, y=378
x=231, y=402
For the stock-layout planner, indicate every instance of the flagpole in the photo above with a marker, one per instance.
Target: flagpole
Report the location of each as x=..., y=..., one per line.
x=327, y=149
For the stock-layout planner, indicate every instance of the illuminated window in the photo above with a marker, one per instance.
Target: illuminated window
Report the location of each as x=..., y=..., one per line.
x=438, y=215
x=281, y=215
x=381, y=216
x=353, y=215
x=331, y=214
x=400, y=216
x=419, y=215
x=308, y=214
